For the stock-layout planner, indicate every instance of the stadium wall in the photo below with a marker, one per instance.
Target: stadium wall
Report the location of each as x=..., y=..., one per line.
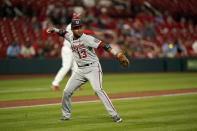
x=45, y=66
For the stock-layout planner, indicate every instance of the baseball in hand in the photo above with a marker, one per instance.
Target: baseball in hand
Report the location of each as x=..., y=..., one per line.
x=50, y=30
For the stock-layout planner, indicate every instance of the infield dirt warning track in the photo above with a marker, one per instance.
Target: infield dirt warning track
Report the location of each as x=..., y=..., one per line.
x=24, y=103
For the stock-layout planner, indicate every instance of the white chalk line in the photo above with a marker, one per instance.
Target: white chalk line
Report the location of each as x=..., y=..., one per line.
x=128, y=98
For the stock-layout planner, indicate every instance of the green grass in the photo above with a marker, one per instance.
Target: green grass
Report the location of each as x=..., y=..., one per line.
x=38, y=88
x=169, y=113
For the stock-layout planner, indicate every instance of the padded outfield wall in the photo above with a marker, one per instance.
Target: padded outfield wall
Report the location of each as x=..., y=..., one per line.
x=45, y=66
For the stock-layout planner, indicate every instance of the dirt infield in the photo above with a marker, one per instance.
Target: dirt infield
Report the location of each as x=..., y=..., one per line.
x=6, y=104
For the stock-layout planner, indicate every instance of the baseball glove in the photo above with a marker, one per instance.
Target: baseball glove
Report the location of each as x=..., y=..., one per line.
x=123, y=60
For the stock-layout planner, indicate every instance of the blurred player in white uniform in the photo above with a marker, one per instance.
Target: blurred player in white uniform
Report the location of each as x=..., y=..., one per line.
x=67, y=60
x=89, y=68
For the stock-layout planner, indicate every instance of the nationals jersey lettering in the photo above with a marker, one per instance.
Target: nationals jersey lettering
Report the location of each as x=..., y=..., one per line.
x=83, y=48
x=77, y=47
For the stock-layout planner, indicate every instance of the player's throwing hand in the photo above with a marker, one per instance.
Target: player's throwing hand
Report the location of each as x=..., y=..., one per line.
x=50, y=30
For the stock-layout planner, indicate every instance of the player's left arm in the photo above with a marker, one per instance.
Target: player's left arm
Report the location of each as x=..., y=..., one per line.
x=119, y=55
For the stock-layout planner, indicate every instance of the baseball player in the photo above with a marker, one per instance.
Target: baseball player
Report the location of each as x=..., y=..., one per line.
x=89, y=68
x=67, y=58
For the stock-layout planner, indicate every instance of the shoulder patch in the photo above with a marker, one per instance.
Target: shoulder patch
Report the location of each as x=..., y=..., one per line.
x=96, y=40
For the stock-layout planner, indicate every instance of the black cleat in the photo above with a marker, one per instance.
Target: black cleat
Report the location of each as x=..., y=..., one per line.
x=63, y=118
x=117, y=119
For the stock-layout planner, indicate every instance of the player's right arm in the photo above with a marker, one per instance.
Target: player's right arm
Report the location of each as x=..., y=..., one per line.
x=60, y=32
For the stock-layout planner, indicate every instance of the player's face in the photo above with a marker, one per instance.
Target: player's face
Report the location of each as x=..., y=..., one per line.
x=77, y=32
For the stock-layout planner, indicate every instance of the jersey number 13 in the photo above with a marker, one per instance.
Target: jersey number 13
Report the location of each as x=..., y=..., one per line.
x=82, y=54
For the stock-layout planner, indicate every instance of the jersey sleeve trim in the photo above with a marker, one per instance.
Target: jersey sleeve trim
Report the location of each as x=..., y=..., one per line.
x=100, y=43
x=89, y=32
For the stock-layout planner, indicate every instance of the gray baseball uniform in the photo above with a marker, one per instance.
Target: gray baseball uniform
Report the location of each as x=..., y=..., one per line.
x=89, y=69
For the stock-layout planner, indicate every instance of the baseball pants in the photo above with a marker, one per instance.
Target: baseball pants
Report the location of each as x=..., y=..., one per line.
x=93, y=74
